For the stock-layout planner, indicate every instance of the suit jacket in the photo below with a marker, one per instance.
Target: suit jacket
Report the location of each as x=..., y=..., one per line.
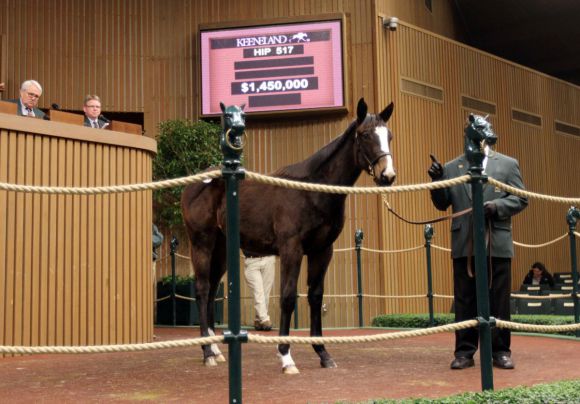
x=37, y=111
x=502, y=168
x=87, y=122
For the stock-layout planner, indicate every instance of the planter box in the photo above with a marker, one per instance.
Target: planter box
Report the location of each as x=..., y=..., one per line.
x=186, y=312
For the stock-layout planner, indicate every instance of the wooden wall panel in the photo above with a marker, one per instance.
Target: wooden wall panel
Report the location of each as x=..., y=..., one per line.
x=430, y=126
x=141, y=56
x=61, y=253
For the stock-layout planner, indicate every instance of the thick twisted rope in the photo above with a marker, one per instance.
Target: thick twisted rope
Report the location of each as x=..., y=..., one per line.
x=333, y=189
x=543, y=244
x=393, y=251
x=536, y=328
x=521, y=192
x=262, y=339
x=542, y=297
x=344, y=249
x=111, y=348
x=395, y=296
x=113, y=188
x=435, y=246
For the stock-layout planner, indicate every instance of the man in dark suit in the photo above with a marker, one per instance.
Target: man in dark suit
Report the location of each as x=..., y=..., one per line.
x=499, y=207
x=30, y=92
x=92, y=108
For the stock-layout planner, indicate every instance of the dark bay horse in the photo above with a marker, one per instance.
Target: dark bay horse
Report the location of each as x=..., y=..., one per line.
x=286, y=222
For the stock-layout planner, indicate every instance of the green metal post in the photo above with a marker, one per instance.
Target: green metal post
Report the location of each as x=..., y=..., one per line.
x=234, y=336
x=173, y=248
x=474, y=154
x=428, y=236
x=571, y=217
x=358, y=238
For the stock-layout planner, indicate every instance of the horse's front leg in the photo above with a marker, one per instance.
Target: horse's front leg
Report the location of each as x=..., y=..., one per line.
x=290, y=269
x=317, y=267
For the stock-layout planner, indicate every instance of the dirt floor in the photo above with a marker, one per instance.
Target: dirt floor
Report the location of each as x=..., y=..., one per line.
x=412, y=367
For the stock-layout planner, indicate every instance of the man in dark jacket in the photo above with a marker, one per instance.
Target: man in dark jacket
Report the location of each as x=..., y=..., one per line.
x=30, y=92
x=499, y=207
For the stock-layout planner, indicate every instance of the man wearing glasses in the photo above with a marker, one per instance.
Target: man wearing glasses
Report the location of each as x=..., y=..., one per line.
x=92, y=108
x=30, y=92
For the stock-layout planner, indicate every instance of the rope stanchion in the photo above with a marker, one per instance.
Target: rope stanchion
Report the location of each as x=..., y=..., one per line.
x=333, y=189
x=113, y=188
x=521, y=192
x=543, y=244
x=536, y=328
x=541, y=297
x=392, y=251
x=395, y=296
x=441, y=248
x=111, y=348
x=443, y=296
x=262, y=339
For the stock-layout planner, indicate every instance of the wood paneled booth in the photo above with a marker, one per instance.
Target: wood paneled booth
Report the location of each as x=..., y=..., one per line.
x=143, y=59
x=74, y=269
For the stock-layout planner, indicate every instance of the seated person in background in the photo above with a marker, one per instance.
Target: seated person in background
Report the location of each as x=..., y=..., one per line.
x=30, y=92
x=2, y=87
x=539, y=275
x=92, y=108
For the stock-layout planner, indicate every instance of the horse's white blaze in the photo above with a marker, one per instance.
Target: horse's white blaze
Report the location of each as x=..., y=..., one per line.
x=383, y=134
x=214, y=348
x=286, y=360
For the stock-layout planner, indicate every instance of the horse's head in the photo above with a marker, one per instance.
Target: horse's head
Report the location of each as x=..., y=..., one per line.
x=373, y=141
x=478, y=132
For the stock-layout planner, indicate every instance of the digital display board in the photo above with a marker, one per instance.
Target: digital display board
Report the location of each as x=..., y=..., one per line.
x=278, y=67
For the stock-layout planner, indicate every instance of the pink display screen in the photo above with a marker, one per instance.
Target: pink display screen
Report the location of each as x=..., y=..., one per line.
x=273, y=68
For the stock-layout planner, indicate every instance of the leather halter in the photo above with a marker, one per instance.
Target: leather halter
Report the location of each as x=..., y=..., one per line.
x=370, y=168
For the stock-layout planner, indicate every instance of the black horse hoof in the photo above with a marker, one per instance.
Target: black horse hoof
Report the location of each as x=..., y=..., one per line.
x=328, y=363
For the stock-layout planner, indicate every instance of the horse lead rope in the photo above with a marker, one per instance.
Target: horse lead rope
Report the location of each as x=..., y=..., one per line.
x=448, y=217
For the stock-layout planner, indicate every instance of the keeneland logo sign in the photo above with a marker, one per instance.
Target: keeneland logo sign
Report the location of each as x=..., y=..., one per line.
x=271, y=40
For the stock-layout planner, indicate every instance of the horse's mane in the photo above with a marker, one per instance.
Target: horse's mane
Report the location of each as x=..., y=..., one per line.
x=305, y=168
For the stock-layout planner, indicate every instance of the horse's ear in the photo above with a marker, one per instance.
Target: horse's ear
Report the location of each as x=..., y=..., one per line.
x=223, y=107
x=471, y=118
x=387, y=112
x=243, y=106
x=361, y=111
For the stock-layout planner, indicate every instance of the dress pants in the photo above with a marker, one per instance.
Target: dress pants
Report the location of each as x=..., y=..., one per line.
x=259, y=273
x=466, y=341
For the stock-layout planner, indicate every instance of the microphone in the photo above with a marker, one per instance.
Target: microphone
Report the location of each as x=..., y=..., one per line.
x=106, y=120
x=55, y=106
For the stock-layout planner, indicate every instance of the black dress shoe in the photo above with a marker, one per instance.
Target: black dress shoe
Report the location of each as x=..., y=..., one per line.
x=503, y=362
x=462, y=363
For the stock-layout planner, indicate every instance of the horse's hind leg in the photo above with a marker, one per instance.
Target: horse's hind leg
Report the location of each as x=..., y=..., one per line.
x=317, y=266
x=217, y=270
x=201, y=259
x=290, y=260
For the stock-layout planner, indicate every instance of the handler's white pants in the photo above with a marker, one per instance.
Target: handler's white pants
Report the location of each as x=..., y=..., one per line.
x=259, y=274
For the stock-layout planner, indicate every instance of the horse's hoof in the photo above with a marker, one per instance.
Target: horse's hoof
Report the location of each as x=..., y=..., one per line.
x=328, y=363
x=210, y=361
x=220, y=358
x=290, y=370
